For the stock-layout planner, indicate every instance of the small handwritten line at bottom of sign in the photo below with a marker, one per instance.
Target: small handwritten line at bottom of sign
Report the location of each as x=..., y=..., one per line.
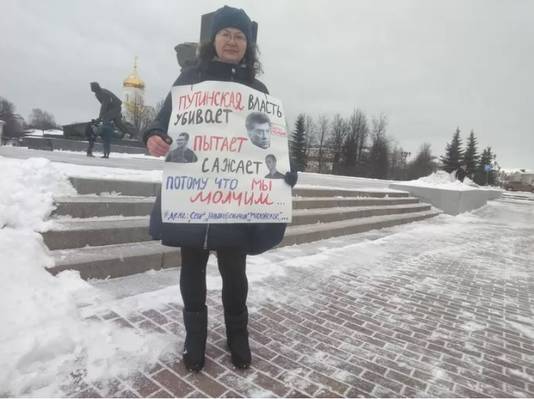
x=214, y=217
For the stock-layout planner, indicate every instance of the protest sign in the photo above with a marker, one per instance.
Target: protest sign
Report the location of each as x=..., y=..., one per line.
x=228, y=157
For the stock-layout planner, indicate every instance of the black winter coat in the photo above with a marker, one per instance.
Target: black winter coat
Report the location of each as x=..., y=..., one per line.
x=251, y=238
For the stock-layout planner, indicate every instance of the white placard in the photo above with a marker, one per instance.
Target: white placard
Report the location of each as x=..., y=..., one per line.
x=228, y=157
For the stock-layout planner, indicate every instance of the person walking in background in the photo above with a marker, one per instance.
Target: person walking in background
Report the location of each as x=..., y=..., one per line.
x=461, y=172
x=106, y=132
x=229, y=55
x=90, y=134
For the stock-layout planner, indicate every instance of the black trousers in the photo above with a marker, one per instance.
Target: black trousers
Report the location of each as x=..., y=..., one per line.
x=90, y=146
x=232, y=266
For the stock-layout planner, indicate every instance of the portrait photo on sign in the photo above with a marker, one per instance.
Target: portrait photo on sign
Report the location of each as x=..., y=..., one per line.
x=270, y=162
x=181, y=152
x=258, y=127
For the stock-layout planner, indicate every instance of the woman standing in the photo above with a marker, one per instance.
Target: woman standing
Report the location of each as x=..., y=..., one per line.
x=230, y=55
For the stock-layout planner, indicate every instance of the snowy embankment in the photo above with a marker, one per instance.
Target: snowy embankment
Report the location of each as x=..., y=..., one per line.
x=41, y=133
x=105, y=173
x=445, y=181
x=43, y=335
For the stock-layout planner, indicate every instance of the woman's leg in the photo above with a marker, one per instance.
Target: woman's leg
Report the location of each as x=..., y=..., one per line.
x=193, y=278
x=232, y=266
x=193, y=290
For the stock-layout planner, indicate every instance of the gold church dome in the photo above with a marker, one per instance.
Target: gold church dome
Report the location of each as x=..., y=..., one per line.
x=133, y=79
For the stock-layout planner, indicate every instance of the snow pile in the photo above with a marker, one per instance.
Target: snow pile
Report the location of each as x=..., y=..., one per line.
x=442, y=179
x=125, y=155
x=42, y=333
x=27, y=188
x=319, y=179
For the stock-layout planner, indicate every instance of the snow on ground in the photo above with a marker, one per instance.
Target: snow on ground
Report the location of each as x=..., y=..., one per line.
x=105, y=173
x=519, y=195
x=46, y=331
x=27, y=192
x=41, y=133
x=124, y=155
x=43, y=336
x=350, y=188
x=319, y=179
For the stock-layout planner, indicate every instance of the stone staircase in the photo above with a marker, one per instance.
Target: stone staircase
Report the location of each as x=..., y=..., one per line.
x=106, y=235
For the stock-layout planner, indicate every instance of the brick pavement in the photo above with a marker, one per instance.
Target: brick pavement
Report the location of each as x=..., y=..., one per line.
x=426, y=325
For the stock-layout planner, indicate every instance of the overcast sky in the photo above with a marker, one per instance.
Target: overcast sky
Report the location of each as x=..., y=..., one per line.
x=430, y=66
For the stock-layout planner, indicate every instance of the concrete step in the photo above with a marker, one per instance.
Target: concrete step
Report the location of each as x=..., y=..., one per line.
x=124, y=187
x=89, y=206
x=94, y=206
x=307, y=233
x=77, y=233
x=151, y=189
x=326, y=202
x=115, y=260
x=339, y=192
x=325, y=215
x=137, y=257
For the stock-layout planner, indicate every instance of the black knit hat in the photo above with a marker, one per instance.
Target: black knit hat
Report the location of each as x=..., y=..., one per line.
x=230, y=17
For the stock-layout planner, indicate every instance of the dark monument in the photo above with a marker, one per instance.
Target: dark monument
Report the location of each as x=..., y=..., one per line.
x=110, y=110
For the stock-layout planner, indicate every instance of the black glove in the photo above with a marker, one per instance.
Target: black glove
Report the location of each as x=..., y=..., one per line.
x=291, y=178
x=167, y=139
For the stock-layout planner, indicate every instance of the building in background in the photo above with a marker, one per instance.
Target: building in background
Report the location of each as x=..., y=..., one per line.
x=134, y=110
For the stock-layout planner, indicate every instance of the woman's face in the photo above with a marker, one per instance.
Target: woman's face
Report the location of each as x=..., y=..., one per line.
x=230, y=45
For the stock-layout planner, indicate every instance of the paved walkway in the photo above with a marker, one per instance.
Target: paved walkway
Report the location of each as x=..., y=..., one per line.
x=441, y=308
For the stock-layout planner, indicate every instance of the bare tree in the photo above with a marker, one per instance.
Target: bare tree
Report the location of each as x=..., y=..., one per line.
x=322, y=134
x=397, y=163
x=311, y=130
x=43, y=120
x=380, y=124
x=138, y=114
x=356, y=128
x=337, y=138
x=159, y=106
x=378, y=162
x=423, y=164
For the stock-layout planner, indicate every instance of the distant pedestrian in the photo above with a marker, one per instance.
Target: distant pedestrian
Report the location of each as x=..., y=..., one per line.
x=461, y=173
x=106, y=132
x=91, y=135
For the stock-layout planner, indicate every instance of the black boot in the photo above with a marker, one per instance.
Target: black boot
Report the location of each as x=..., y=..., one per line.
x=237, y=339
x=196, y=325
